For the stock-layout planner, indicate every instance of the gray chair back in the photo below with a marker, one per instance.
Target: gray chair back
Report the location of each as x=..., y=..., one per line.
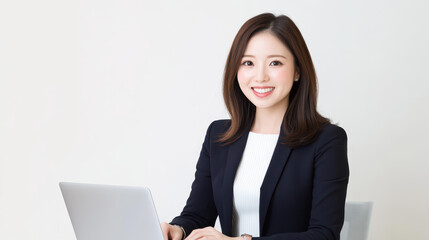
x=356, y=221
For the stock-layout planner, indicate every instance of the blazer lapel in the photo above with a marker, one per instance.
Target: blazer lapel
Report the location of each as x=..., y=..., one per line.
x=275, y=169
x=235, y=152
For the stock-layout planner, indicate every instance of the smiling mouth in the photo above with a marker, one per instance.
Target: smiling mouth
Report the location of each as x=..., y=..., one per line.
x=263, y=90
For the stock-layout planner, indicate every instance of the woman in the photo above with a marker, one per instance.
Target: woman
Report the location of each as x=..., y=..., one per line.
x=277, y=169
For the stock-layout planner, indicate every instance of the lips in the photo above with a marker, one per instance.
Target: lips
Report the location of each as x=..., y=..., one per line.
x=262, y=91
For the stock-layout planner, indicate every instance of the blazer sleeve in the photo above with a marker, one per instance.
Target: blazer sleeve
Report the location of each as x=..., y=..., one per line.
x=331, y=175
x=200, y=210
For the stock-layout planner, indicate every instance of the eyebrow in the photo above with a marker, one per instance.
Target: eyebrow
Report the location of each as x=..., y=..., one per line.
x=270, y=56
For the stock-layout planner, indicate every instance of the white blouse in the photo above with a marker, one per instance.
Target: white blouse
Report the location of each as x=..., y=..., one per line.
x=248, y=180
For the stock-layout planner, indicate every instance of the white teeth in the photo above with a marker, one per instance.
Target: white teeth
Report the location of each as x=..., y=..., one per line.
x=263, y=90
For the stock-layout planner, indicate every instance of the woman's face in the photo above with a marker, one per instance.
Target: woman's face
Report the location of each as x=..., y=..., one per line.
x=267, y=72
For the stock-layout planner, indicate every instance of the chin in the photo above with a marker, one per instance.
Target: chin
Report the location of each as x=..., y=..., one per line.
x=263, y=106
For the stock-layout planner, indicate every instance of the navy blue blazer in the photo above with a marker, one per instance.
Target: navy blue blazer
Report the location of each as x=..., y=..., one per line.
x=302, y=195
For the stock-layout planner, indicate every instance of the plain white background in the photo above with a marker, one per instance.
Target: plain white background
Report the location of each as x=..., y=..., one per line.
x=122, y=92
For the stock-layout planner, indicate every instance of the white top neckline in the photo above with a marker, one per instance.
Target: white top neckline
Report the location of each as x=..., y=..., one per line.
x=264, y=134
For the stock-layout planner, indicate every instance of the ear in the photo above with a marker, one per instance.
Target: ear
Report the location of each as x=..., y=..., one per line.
x=297, y=73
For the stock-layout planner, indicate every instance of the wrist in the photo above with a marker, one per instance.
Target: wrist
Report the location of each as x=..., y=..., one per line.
x=181, y=230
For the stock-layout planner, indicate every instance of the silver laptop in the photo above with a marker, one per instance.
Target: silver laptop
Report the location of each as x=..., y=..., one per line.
x=106, y=212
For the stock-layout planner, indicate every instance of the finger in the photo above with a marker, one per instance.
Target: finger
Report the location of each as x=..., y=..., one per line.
x=165, y=228
x=202, y=232
x=194, y=234
x=165, y=234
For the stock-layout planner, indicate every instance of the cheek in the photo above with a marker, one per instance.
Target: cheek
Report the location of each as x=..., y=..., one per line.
x=285, y=75
x=243, y=77
x=242, y=86
x=243, y=81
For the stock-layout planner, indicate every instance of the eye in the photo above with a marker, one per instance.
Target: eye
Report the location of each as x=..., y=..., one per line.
x=247, y=63
x=276, y=63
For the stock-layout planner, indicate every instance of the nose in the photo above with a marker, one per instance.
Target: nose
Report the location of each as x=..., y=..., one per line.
x=261, y=74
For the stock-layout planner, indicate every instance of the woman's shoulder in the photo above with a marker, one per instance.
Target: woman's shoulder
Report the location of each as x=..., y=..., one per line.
x=219, y=126
x=331, y=133
x=333, y=130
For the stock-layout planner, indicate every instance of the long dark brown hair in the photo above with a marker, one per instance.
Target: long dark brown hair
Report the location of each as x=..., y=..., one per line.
x=301, y=122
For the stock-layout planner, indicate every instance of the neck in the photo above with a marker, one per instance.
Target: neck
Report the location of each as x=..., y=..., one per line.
x=268, y=120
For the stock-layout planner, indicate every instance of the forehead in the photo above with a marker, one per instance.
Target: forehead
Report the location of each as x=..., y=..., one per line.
x=266, y=43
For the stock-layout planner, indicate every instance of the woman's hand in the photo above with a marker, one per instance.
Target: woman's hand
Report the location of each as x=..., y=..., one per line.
x=209, y=233
x=171, y=232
